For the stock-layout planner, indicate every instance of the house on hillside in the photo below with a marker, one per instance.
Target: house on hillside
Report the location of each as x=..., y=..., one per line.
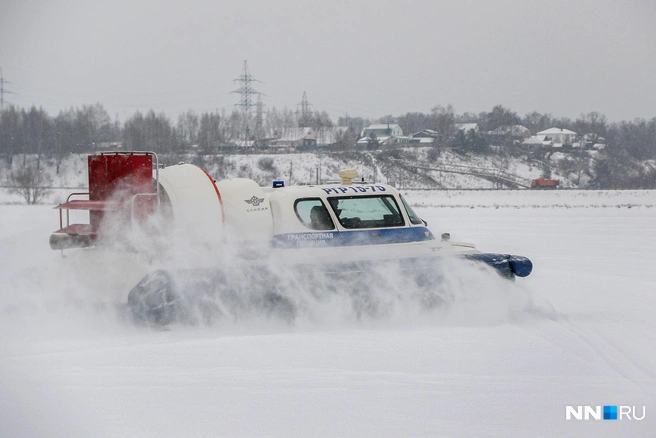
x=293, y=137
x=593, y=141
x=425, y=137
x=533, y=142
x=509, y=133
x=557, y=137
x=383, y=134
x=383, y=130
x=466, y=127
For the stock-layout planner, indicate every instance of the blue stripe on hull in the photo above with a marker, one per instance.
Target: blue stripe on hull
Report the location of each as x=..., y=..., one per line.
x=352, y=238
x=505, y=264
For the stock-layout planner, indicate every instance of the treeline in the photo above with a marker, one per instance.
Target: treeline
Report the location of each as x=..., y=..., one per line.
x=624, y=163
x=90, y=128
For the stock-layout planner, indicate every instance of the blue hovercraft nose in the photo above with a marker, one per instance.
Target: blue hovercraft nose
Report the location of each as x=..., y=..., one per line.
x=506, y=265
x=521, y=266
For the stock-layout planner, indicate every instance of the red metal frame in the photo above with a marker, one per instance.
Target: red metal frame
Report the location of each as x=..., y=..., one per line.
x=119, y=182
x=115, y=177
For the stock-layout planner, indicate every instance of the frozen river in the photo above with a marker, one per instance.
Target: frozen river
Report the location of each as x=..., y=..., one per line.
x=583, y=333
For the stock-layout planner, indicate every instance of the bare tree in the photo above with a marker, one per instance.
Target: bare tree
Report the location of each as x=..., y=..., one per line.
x=536, y=122
x=31, y=183
x=443, y=121
x=500, y=116
x=188, y=127
x=12, y=134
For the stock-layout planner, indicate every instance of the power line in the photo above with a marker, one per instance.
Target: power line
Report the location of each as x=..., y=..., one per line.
x=207, y=92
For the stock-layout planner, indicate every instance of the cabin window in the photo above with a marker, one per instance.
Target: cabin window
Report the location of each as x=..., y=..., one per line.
x=411, y=213
x=367, y=211
x=313, y=214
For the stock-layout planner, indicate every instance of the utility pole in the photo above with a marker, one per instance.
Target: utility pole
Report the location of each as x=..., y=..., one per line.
x=246, y=92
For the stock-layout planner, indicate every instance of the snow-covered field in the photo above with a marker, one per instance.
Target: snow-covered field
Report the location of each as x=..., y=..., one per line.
x=532, y=198
x=582, y=333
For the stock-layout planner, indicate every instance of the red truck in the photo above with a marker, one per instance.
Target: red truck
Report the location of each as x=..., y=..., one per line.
x=541, y=183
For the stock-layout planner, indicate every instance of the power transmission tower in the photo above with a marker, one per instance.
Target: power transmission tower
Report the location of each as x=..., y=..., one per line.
x=3, y=91
x=246, y=92
x=303, y=112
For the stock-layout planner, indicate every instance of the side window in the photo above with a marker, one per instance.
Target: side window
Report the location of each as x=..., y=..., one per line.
x=313, y=214
x=411, y=213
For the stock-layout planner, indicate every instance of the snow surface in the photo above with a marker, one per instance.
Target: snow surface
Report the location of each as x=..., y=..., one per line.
x=548, y=199
x=504, y=360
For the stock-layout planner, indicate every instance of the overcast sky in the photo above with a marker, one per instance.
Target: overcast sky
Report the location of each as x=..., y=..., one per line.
x=361, y=57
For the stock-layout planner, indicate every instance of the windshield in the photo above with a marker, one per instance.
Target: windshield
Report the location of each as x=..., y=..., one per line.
x=411, y=213
x=367, y=211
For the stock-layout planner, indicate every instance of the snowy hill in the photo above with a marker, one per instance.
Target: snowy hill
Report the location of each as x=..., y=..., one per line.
x=410, y=168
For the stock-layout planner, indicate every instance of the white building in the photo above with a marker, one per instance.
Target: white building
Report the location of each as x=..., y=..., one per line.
x=383, y=130
x=533, y=141
x=383, y=134
x=557, y=136
x=515, y=132
x=293, y=137
x=466, y=127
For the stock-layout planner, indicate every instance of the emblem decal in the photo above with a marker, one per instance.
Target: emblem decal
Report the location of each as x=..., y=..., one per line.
x=254, y=201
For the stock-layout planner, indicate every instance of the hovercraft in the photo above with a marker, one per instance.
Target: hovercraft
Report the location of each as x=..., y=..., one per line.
x=140, y=213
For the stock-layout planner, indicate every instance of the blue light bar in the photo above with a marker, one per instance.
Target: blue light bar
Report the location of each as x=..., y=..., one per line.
x=278, y=184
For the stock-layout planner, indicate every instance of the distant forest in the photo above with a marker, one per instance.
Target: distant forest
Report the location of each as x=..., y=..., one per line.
x=628, y=160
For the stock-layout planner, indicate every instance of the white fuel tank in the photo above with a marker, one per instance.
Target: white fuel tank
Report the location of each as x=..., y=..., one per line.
x=247, y=211
x=205, y=211
x=195, y=203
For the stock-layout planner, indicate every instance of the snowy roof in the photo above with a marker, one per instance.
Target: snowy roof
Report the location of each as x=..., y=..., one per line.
x=515, y=130
x=533, y=140
x=383, y=126
x=294, y=134
x=381, y=139
x=467, y=126
x=593, y=137
x=552, y=131
x=244, y=143
x=426, y=133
